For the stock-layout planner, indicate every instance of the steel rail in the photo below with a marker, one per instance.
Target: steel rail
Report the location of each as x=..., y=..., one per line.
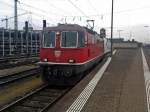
x=54, y=94
x=21, y=99
x=4, y=80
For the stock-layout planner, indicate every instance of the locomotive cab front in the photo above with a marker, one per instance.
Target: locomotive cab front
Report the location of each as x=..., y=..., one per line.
x=62, y=47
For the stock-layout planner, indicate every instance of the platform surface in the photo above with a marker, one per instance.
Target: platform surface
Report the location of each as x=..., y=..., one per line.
x=121, y=88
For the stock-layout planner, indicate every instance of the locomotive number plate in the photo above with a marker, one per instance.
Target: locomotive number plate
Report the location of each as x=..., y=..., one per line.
x=57, y=53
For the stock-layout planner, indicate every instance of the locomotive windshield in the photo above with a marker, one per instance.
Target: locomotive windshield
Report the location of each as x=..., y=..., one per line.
x=49, y=39
x=69, y=39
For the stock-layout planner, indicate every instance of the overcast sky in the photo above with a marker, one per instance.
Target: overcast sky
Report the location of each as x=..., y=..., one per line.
x=126, y=12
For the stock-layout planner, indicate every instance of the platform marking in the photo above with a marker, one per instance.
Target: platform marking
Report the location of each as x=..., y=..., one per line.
x=79, y=103
x=114, y=52
x=147, y=79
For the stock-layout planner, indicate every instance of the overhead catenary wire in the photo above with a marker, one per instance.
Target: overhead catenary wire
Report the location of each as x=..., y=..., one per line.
x=8, y=18
x=14, y=16
x=19, y=8
x=95, y=10
x=41, y=10
x=10, y=5
x=84, y=15
x=91, y=4
x=44, y=14
x=108, y=13
x=78, y=8
x=58, y=8
x=49, y=22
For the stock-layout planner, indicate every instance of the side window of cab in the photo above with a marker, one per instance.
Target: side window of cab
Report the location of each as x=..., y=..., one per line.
x=81, y=39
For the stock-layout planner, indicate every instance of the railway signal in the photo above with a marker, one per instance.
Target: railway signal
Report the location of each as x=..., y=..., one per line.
x=44, y=24
x=102, y=33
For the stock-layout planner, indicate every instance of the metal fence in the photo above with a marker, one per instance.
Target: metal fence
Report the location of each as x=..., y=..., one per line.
x=25, y=44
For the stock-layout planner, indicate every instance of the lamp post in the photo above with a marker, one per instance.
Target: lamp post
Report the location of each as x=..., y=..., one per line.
x=16, y=26
x=112, y=11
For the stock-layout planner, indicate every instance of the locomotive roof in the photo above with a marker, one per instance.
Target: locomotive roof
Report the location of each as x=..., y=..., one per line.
x=70, y=27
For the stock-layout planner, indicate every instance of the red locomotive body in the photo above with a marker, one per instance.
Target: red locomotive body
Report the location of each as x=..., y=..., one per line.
x=67, y=51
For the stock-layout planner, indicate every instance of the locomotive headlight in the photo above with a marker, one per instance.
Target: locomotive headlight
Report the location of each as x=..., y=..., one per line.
x=45, y=59
x=57, y=33
x=71, y=61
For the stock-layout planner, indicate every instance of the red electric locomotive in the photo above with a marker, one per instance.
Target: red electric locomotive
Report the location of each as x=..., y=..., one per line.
x=67, y=51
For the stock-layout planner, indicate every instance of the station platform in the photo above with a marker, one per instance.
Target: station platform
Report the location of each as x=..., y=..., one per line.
x=120, y=89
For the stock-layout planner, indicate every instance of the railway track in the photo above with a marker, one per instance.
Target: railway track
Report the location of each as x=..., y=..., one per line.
x=37, y=101
x=12, y=62
x=15, y=77
x=16, y=57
